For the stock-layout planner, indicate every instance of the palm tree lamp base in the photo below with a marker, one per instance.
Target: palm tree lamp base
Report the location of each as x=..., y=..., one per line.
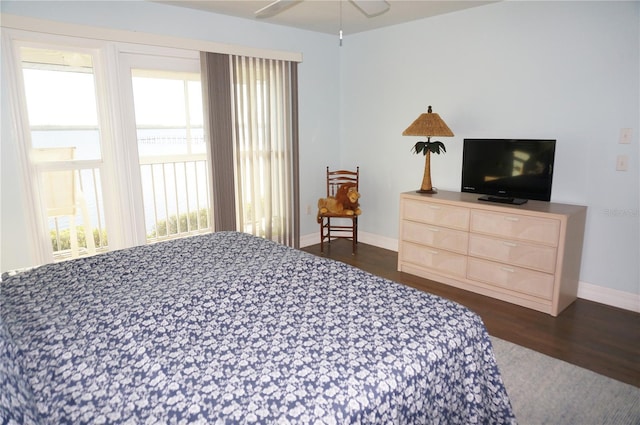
x=427, y=191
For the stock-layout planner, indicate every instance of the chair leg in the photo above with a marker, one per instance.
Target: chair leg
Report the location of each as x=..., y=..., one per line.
x=321, y=234
x=354, y=235
x=356, y=231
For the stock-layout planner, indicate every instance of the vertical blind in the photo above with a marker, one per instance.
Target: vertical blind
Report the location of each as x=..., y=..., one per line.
x=255, y=126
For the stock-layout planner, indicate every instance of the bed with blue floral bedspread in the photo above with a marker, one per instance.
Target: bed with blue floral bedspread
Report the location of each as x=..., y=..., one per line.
x=228, y=328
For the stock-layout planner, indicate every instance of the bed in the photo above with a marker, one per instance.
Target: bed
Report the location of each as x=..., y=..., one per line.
x=229, y=328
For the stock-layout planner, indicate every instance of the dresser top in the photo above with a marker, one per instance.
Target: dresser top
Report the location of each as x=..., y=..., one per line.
x=531, y=206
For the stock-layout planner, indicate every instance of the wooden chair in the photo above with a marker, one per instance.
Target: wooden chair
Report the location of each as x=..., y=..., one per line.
x=328, y=229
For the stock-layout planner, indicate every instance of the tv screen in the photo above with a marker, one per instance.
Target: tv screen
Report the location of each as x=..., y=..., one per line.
x=508, y=170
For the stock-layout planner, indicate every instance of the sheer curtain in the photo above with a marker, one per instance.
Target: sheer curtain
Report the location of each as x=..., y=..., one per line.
x=253, y=127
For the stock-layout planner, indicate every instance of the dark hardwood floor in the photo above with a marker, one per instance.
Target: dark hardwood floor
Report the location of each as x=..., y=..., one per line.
x=594, y=336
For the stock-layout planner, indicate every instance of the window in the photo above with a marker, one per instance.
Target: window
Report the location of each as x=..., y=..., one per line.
x=172, y=152
x=65, y=148
x=83, y=132
x=115, y=161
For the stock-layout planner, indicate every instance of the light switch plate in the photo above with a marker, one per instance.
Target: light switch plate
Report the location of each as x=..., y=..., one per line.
x=622, y=163
x=625, y=135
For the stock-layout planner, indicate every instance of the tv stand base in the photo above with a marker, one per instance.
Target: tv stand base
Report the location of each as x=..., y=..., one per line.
x=503, y=200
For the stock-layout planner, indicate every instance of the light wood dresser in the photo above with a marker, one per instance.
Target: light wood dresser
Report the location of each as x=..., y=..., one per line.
x=527, y=254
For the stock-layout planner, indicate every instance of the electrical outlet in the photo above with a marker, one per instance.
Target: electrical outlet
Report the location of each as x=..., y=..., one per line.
x=308, y=209
x=625, y=135
x=622, y=163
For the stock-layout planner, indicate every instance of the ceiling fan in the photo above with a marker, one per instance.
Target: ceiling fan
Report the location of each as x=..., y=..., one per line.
x=370, y=8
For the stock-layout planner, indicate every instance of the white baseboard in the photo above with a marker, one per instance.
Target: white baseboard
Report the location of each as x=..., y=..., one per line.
x=380, y=241
x=308, y=240
x=364, y=237
x=586, y=291
x=608, y=296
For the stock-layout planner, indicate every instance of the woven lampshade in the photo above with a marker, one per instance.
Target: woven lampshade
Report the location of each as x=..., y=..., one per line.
x=428, y=124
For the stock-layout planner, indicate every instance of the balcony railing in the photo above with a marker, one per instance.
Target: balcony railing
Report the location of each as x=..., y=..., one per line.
x=175, y=191
x=176, y=196
x=74, y=212
x=175, y=183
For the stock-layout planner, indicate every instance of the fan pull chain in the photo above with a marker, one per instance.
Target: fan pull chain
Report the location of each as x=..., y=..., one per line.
x=340, y=1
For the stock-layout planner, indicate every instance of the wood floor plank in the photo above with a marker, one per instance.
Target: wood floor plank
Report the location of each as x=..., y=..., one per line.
x=594, y=336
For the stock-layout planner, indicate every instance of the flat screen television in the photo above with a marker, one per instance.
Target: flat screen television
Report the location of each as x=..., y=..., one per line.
x=508, y=170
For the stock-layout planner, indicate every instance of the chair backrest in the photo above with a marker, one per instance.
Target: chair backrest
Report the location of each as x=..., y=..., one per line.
x=337, y=178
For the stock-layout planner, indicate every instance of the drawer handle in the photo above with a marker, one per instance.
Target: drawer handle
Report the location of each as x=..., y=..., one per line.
x=509, y=244
x=433, y=229
x=431, y=251
x=512, y=219
x=507, y=269
x=434, y=207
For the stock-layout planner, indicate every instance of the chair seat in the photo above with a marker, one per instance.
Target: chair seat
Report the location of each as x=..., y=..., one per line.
x=337, y=215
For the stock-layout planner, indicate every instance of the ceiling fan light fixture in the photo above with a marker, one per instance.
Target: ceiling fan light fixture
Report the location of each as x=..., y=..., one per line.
x=274, y=8
x=371, y=8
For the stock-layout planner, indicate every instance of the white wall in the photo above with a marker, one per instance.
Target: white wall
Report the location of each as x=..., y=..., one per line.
x=562, y=70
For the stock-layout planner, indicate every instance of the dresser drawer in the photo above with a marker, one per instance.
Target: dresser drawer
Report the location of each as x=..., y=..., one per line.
x=513, y=278
x=516, y=226
x=432, y=258
x=434, y=213
x=438, y=237
x=539, y=257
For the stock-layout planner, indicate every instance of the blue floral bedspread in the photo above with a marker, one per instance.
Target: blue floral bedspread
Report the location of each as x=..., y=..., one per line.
x=228, y=328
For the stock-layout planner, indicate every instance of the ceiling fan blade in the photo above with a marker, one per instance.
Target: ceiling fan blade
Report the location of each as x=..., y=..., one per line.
x=274, y=8
x=371, y=8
